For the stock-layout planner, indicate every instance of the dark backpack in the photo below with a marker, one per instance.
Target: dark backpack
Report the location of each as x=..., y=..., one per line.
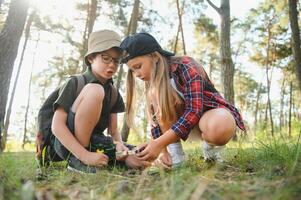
x=45, y=115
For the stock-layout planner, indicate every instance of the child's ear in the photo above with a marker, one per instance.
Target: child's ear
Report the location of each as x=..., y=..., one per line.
x=90, y=58
x=155, y=57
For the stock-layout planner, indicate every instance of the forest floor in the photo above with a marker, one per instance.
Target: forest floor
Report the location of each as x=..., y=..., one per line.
x=254, y=170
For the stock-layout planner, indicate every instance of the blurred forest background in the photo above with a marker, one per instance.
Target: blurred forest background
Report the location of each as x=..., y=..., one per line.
x=249, y=48
x=253, y=59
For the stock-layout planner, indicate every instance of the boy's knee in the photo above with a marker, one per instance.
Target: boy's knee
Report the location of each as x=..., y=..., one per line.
x=94, y=91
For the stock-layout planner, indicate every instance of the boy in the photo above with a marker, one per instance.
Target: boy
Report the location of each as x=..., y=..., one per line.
x=79, y=121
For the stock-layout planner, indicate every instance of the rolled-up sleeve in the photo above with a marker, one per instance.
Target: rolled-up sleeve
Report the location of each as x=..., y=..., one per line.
x=156, y=131
x=194, y=86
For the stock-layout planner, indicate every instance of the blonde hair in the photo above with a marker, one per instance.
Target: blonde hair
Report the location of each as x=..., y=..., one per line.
x=159, y=87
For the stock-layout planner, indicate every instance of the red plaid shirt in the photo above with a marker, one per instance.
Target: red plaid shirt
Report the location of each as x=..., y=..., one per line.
x=199, y=95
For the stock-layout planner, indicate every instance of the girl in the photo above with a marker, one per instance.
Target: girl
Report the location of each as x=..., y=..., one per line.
x=79, y=121
x=180, y=98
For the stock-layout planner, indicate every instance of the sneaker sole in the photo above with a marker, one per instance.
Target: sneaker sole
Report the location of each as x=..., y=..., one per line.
x=69, y=168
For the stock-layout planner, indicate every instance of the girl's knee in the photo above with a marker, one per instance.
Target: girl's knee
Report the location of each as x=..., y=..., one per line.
x=219, y=127
x=218, y=138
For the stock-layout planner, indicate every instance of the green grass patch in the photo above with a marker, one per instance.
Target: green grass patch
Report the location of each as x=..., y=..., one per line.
x=254, y=170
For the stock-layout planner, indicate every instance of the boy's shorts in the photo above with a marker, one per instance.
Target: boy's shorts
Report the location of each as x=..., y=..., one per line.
x=97, y=142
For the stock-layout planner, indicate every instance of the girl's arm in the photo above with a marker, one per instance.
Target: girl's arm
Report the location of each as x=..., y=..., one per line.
x=194, y=97
x=154, y=147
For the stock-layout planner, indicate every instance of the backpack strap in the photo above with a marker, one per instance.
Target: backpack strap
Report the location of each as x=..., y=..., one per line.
x=113, y=101
x=81, y=82
x=114, y=96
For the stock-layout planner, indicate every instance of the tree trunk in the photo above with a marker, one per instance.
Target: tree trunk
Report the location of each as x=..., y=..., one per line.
x=176, y=40
x=133, y=28
x=268, y=105
x=91, y=17
x=281, y=117
x=28, y=98
x=145, y=123
x=226, y=60
x=257, y=104
x=227, y=68
x=293, y=17
x=270, y=113
x=125, y=131
x=134, y=17
x=180, y=14
x=9, y=43
x=290, y=111
x=11, y=100
x=211, y=60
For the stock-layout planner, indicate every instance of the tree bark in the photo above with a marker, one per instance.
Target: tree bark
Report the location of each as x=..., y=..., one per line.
x=28, y=98
x=11, y=100
x=179, y=27
x=290, y=111
x=227, y=68
x=257, y=104
x=211, y=60
x=267, y=62
x=125, y=130
x=134, y=17
x=296, y=45
x=176, y=40
x=180, y=14
x=133, y=29
x=145, y=124
x=281, y=117
x=91, y=17
x=9, y=43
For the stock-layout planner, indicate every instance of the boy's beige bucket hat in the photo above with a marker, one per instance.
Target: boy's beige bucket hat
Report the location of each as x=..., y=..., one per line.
x=101, y=41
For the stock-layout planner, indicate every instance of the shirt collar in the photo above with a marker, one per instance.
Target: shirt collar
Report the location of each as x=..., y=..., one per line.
x=174, y=62
x=91, y=78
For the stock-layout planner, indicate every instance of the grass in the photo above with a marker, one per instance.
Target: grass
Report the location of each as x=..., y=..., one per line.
x=255, y=170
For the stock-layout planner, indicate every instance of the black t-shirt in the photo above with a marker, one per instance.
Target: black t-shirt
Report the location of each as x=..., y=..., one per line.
x=67, y=95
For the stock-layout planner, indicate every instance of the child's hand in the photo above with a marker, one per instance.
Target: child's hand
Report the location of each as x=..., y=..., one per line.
x=96, y=159
x=120, y=147
x=159, y=163
x=165, y=158
x=151, y=151
x=134, y=162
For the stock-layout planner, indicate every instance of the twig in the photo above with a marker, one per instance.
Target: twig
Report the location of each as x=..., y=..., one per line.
x=214, y=6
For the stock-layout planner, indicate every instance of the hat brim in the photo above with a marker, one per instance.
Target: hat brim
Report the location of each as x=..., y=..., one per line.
x=166, y=53
x=161, y=51
x=103, y=48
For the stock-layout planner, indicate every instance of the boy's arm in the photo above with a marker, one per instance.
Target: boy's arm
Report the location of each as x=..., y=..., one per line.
x=113, y=131
x=61, y=131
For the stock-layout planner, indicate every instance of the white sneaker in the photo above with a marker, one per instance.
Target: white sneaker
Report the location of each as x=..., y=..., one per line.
x=211, y=153
x=177, y=154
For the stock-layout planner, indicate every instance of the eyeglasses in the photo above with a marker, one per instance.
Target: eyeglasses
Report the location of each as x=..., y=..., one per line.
x=107, y=59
